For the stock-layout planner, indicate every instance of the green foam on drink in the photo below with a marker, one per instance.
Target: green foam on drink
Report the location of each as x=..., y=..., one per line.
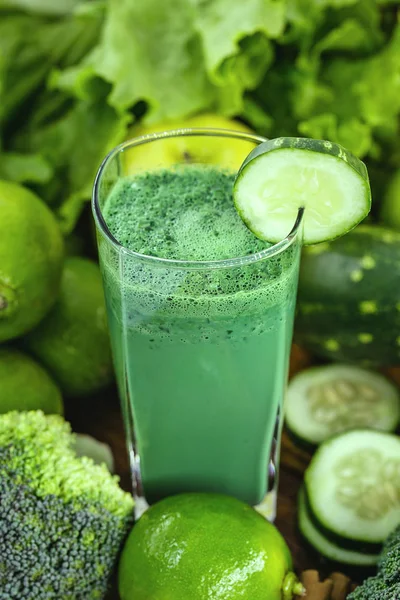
x=185, y=213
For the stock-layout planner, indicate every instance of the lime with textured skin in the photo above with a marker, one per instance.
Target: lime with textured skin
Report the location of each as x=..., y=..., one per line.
x=72, y=342
x=25, y=385
x=202, y=546
x=31, y=255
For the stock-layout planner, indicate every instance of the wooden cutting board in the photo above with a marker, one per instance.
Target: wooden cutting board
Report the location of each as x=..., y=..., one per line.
x=101, y=418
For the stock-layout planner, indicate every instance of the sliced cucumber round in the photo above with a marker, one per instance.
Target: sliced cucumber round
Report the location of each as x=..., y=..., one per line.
x=323, y=401
x=325, y=546
x=353, y=487
x=281, y=175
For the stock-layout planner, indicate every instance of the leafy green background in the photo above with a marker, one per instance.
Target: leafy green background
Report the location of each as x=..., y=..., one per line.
x=74, y=74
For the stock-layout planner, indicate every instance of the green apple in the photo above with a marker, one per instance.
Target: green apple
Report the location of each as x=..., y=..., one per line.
x=224, y=152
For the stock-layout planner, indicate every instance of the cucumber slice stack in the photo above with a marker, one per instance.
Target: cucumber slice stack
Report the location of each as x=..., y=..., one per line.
x=350, y=502
x=324, y=401
x=325, y=546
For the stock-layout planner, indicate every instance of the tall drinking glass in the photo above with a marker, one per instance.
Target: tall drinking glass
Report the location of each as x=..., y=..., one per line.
x=201, y=348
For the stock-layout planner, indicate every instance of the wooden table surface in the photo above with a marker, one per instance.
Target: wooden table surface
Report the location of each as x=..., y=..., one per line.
x=101, y=418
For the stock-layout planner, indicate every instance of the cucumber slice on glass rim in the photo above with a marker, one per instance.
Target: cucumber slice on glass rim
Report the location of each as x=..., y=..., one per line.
x=353, y=488
x=324, y=401
x=284, y=174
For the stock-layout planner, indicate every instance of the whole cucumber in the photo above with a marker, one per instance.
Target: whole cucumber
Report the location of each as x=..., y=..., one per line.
x=349, y=298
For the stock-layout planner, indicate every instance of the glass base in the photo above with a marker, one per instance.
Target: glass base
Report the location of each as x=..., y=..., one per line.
x=266, y=508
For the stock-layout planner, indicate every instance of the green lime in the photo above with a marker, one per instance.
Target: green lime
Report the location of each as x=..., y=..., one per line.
x=280, y=176
x=25, y=385
x=31, y=255
x=390, y=211
x=202, y=546
x=72, y=342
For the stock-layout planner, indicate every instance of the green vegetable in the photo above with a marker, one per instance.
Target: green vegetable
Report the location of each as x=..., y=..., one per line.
x=386, y=584
x=206, y=58
x=349, y=503
x=63, y=519
x=389, y=562
x=41, y=6
x=344, y=80
x=281, y=175
x=375, y=588
x=25, y=168
x=352, y=486
x=325, y=546
x=52, y=137
x=325, y=400
x=348, y=303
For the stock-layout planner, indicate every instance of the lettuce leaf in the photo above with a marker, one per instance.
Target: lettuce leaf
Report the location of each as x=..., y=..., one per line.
x=25, y=168
x=221, y=29
x=52, y=140
x=31, y=46
x=48, y=7
x=306, y=17
x=203, y=60
x=74, y=143
x=362, y=105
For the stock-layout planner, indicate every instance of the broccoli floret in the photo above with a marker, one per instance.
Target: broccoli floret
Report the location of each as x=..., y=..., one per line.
x=375, y=588
x=389, y=562
x=386, y=584
x=389, y=566
x=63, y=519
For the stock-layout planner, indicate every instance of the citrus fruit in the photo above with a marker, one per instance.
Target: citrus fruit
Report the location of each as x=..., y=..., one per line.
x=25, y=385
x=31, y=255
x=203, y=546
x=72, y=342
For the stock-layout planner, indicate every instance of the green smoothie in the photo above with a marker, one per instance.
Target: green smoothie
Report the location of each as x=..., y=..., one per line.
x=201, y=351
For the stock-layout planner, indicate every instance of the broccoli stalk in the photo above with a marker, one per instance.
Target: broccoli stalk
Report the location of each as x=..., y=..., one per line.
x=63, y=519
x=386, y=584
